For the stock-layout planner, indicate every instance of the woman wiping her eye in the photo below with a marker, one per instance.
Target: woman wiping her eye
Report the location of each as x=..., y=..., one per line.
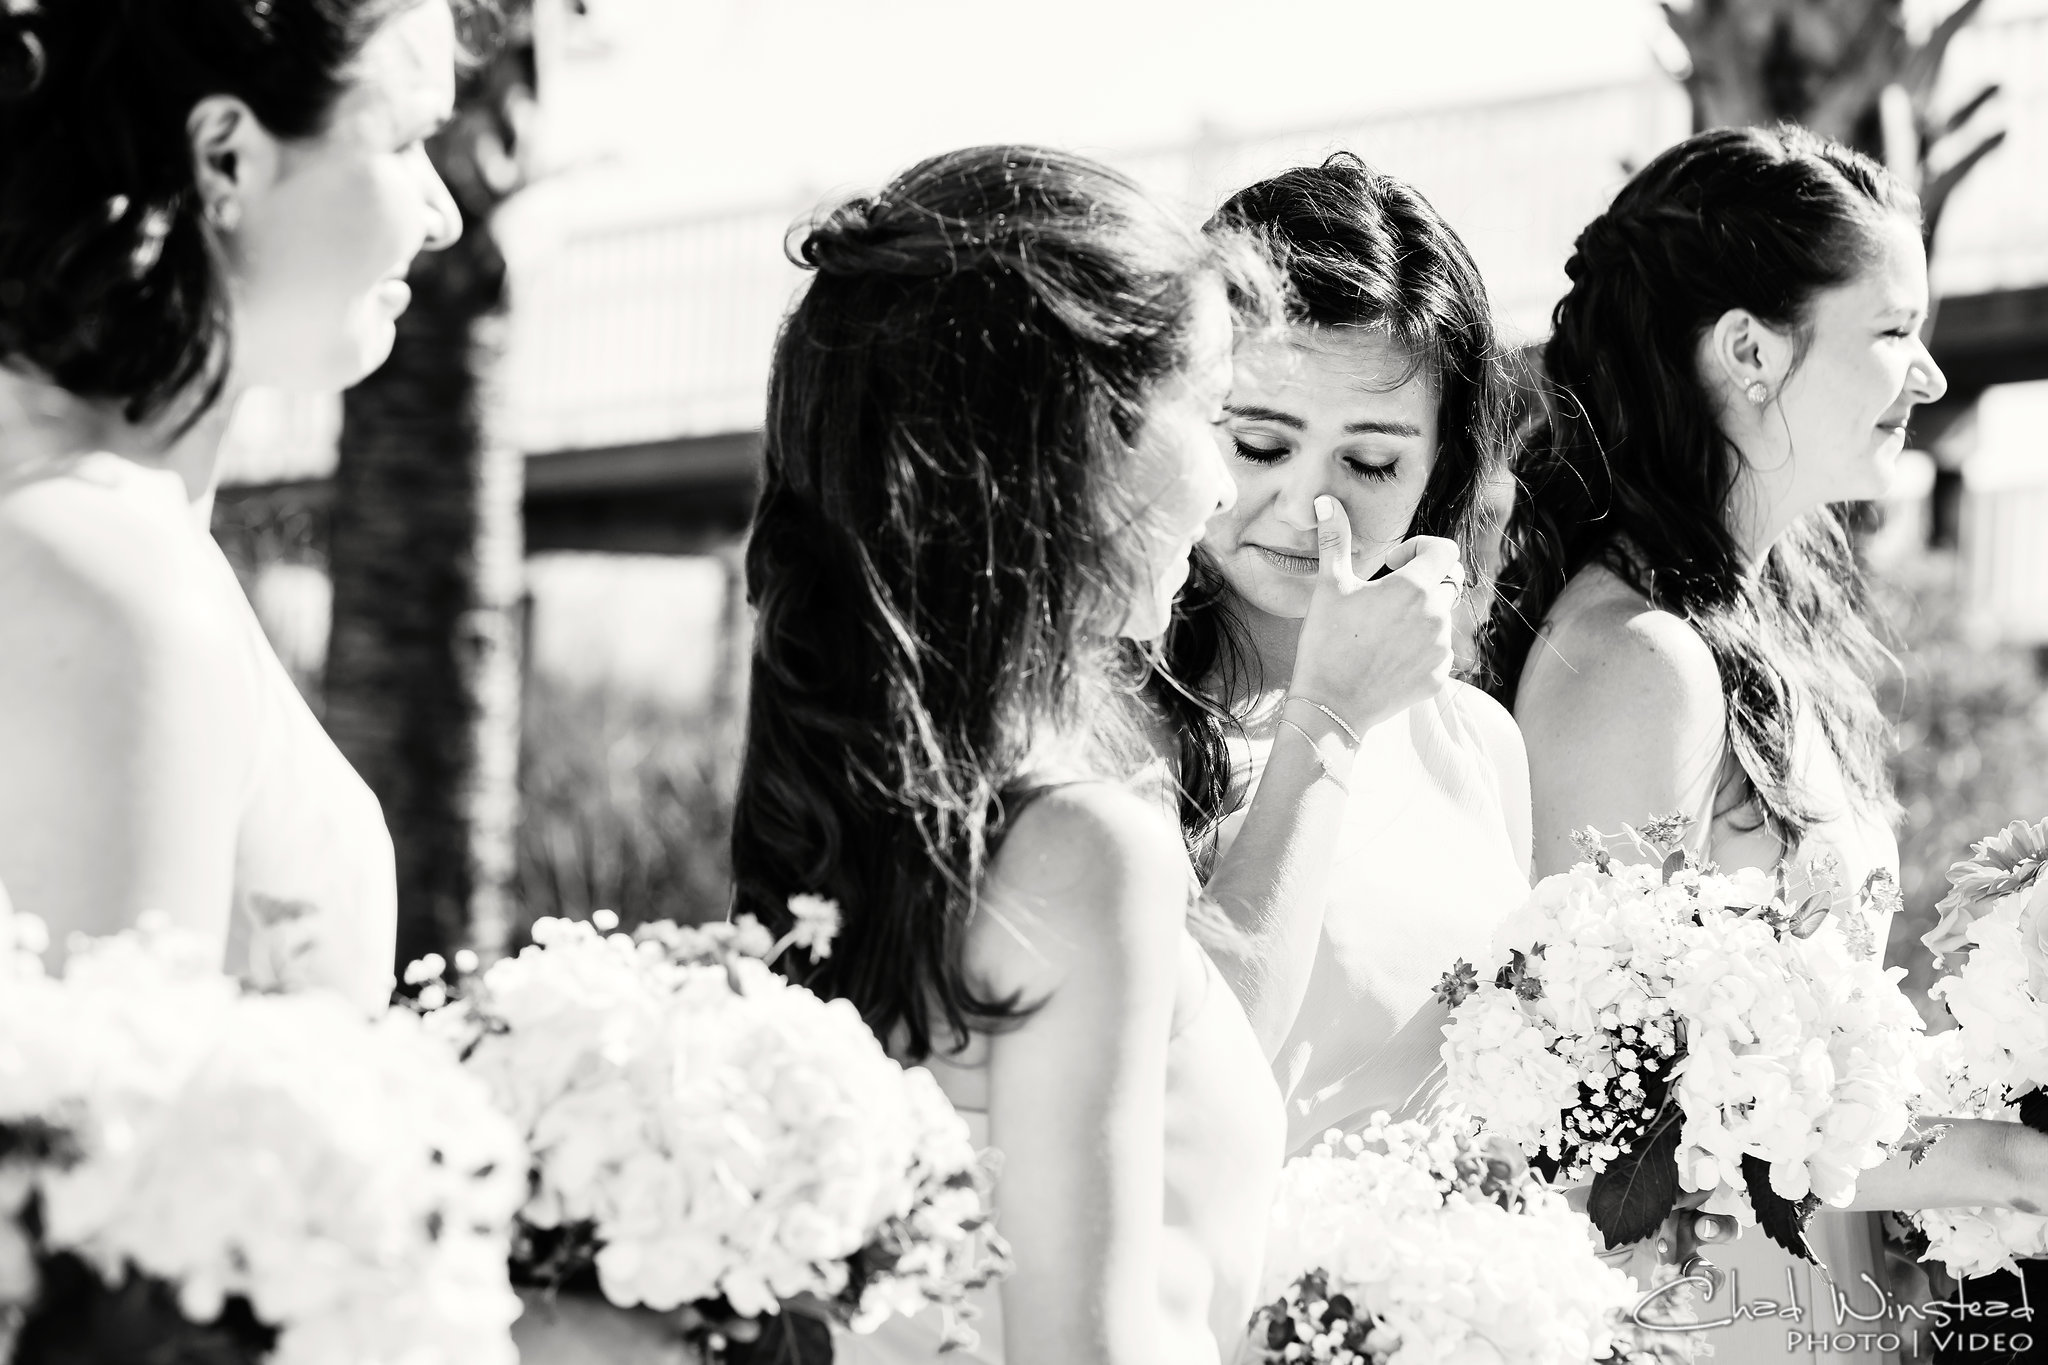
x=1367, y=816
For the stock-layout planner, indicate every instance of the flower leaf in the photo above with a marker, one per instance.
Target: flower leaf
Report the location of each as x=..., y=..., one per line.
x=1783, y=1220
x=1633, y=1196
x=1674, y=863
x=1806, y=922
x=787, y=1338
x=2034, y=1110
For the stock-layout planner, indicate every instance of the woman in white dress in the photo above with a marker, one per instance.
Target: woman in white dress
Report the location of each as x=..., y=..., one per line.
x=196, y=196
x=1682, y=622
x=1370, y=816
x=989, y=452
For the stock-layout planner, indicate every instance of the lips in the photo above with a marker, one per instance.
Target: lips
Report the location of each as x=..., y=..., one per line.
x=395, y=295
x=1299, y=565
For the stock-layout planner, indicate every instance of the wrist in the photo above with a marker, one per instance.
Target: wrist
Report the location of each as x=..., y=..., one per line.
x=1323, y=723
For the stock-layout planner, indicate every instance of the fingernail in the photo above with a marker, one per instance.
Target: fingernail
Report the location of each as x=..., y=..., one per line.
x=1326, y=507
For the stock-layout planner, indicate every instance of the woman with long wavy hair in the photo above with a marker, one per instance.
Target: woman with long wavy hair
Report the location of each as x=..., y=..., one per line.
x=1369, y=816
x=989, y=452
x=1682, y=624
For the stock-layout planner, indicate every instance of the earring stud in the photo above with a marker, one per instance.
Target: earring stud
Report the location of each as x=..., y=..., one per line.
x=1758, y=392
x=225, y=214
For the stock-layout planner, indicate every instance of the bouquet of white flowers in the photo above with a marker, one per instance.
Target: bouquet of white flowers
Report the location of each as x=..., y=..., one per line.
x=1994, y=1065
x=190, y=1172
x=709, y=1137
x=1424, y=1244
x=1658, y=1026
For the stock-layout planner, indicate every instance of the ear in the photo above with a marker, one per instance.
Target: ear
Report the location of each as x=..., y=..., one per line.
x=1743, y=349
x=235, y=159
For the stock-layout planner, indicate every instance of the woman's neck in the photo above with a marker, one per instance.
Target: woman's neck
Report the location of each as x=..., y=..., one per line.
x=41, y=422
x=1274, y=641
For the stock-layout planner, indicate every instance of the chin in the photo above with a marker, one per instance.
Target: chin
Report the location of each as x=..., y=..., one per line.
x=370, y=353
x=1266, y=591
x=1872, y=479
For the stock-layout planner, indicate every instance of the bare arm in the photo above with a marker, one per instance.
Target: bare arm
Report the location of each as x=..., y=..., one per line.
x=122, y=766
x=1976, y=1163
x=1083, y=914
x=1368, y=652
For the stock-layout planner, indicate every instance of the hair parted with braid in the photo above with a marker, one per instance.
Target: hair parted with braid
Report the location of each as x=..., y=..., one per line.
x=942, y=551
x=1630, y=469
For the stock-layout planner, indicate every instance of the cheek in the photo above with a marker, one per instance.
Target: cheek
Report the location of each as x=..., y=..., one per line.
x=348, y=223
x=1383, y=513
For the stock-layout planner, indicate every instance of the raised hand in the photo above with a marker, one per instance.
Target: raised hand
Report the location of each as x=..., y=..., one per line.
x=1370, y=650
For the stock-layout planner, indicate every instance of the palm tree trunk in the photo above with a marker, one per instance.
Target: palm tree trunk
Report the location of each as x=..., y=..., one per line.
x=423, y=670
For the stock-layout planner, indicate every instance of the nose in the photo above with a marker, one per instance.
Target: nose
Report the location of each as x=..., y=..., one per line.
x=444, y=216
x=1302, y=482
x=1925, y=380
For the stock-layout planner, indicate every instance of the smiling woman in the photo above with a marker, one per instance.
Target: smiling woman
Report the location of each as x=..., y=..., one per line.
x=196, y=196
x=1682, y=624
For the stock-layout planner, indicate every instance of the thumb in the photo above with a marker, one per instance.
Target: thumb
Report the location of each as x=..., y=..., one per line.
x=1333, y=543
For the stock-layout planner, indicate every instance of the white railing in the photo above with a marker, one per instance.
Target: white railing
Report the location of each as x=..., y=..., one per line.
x=663, y=328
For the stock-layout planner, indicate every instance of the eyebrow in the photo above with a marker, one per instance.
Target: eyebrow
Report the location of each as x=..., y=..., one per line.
x=1370, y=427
x=1252, y=413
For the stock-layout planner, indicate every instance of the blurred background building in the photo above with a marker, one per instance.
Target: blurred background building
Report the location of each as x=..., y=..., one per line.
x=638, y=164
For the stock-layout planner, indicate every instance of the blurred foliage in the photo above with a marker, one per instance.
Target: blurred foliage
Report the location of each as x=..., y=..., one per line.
x=627, y=807
x=1973, y=743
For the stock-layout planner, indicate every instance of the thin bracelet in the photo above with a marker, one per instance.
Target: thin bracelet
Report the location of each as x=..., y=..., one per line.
x=1337, y=719
x=1321, y=762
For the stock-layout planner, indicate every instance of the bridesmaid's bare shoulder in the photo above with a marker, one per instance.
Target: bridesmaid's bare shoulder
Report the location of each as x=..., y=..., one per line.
x=102, y=542
x=1606, y=654
x=1090, y=877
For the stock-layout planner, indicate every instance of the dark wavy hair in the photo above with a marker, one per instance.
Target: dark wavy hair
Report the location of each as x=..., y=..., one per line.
x=109, y=284
x=1632, y=471
x=940, y=554
x=1364, y=251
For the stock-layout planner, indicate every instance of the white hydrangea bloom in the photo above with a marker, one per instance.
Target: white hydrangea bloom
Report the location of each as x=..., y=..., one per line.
x=721, y=1131
x=341, y=1174
x=1998, y=1054
x=1778, y=1043
x=1435, y=1268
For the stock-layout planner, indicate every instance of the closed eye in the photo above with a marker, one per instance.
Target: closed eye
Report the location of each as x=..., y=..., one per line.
x=1365, y=469
x=1258, y=454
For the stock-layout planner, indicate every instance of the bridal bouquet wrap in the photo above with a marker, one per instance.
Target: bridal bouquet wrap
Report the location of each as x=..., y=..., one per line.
x=1658, y=1027
x=709, y=1137
x=190, y=1172
x=1426, y=1244
x=1994, y=1064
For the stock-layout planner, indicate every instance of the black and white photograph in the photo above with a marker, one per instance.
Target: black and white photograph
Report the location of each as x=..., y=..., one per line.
x=962, y=682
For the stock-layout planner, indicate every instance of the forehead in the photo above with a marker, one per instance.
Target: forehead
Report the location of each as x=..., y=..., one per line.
x=1341, y=373
x=406, y=71
x=1893, y=280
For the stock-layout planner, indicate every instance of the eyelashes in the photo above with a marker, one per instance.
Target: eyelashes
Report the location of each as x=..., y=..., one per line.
x=1272, y=455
